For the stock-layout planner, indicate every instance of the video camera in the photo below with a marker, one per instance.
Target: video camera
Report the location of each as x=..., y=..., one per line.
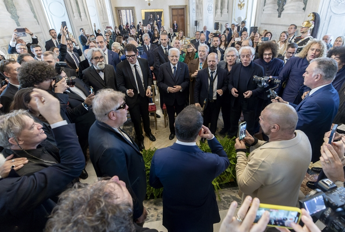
x=327, y=206
x=265, y=82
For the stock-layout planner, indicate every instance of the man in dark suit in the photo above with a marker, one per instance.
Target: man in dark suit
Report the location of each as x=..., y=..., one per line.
x=148, y=49
x=244, y=91
x=175, y=27
x=99, y=75
x=33, y=194
x=216, y=49
x=151, y=21
x=161, y=53
x=173, y=81
x=17, y=40
x=206, y=33
x=318, y=109
x=135, y=80
x=186, y=174
x=242, y=28
x=9, y=69
x=83, y=39
x=83, y=64
x=195, y=41
x=73, y=54
x=210, y=85
x=115, y=153
x=138, y=26
x=53, y=42
x=110, y=57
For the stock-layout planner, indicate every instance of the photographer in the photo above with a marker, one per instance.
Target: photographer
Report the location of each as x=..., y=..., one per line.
x=25, y=202
x=274, y=171
x=17, y=40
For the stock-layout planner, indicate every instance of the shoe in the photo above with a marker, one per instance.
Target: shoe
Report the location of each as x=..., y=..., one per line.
x=151, y=137
x=84, y=175
x=171, y=136
x=203, y=140
x=158, y=116
x=141, y=145
x=223, y=131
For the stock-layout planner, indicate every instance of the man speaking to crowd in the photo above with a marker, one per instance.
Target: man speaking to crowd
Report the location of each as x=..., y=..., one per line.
x=274, y=171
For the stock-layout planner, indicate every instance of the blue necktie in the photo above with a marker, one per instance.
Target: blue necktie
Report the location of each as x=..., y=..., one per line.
x=174, y=71
x=210, y=91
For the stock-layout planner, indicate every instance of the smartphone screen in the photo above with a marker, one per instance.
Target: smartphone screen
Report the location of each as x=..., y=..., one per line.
x=278, y=217
x=331, y=136
x=237, y=39
x=242, y=130
x=264, y=39
x=63, y=24
x=91, y=90
x=21, y=32
x=315, y=205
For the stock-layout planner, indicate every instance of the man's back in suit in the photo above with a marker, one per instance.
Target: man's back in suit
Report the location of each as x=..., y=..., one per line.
x=113, y=58
x=82, y=66
x=92, y=78
x=73, y=60
x=7, y=96
x=159, y=58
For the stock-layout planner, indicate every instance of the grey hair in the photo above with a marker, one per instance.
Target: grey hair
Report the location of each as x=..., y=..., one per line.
x=249, y=41
x=252, y=50
x=231, y=49
x=21, y=44
x=11, y=125
x=327, y=67
x=174, y=49
x=204, y=45
x=105, y=101
x=89, y=54
x=146, y=35
x=117, y=45
x=130, y=39
x=188, y=124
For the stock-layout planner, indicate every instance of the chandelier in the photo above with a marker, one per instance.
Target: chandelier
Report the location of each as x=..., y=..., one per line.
x=149, y=2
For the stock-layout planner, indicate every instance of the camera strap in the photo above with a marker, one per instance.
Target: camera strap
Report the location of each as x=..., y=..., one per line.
x=210, y=86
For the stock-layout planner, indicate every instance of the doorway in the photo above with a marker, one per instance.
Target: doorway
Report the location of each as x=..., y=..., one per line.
x=178, y=15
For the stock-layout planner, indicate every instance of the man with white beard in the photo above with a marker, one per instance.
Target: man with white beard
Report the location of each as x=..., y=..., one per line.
x=99, y=75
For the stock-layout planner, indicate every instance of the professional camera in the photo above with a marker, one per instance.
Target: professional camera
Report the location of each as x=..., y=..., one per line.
x=327, y=206
x=59, y=66
x=265, y=81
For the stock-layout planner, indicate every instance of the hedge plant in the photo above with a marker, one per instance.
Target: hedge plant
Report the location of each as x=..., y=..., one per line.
x=227, y=176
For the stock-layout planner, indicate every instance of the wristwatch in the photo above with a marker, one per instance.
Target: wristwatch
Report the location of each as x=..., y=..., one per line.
x=86, y=106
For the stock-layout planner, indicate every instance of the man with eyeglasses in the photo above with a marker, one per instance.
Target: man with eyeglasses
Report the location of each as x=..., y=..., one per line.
x=196, y=40
x=21, y=48
x=9, y=69
x=135, y=80
x=290, y=51
x=244, y=92
x=17, y=40
x=99, y=75
x=113, y=152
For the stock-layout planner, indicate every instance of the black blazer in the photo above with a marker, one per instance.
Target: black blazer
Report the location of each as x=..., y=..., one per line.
x=166, y=79
x=50, y=44
x=92, y=78
x=150, y=53
x=242, y=30
x=202, y=85
x=126, y=80
x=7, y=96
x=70, y=61
x=82, y=66
x=112, y=155
x=160, y=58
x=235, y=79
x=30, y=195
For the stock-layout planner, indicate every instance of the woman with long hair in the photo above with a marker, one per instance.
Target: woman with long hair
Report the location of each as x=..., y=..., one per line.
x=116, y=47
x=191, y=54
x=283, y=42
x=155, y=37
x=181, y=37
x=223, y=42
x=268, y=34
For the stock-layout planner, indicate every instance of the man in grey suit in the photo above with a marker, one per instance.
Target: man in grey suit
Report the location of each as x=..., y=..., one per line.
x=99, y=75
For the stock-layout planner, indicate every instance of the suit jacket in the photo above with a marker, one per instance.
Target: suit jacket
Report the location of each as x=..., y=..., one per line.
x=175, y=27
x=160, y=58
x=195, y=43
x=92, y=78
x=70, y=61
x=7, y=96
x=125, y=79
x=235, y=79
x=82, y=66
x=186, y=173
x=316, y=114
x=113, y=58
x=83, y=41
x=263, y=173
x=150, y=53
x=30, y=195
x=242, y=30
x=111, y=154
x=207, y=33
x=192, y=67
x=202, y=85
x=50, y=44
x=12, y=50
x=166, y=79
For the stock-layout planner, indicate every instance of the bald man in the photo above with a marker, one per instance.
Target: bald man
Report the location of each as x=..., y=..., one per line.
x=274, y=170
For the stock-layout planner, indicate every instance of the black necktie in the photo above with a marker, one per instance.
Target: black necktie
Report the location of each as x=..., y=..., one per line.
x=174, y=71
x=210, y=91
x=166, y=51
x=139, y=82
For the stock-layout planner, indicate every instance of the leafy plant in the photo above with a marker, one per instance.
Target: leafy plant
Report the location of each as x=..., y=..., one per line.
x=227, y=176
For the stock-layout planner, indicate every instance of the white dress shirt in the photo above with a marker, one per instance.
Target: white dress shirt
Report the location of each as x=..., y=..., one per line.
x=101, y=73
x=140, y=74
x=215, y=83
x=106, y=56
x=316, y=89
x=123, y=134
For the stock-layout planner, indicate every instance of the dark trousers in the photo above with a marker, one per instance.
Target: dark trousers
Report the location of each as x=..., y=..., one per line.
x=172, y=109
x=226, y=111
x=138, y=111
x=211, y=113
x=250, y=116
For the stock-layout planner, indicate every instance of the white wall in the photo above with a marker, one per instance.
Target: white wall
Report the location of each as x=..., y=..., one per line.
x=155, y=4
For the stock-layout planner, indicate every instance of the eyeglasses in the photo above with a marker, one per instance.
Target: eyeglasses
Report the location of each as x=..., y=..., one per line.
x=122, y=106
x=130, y=56
x=98, y=58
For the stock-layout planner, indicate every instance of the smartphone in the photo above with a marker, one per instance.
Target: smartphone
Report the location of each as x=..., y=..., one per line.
x=331, y=136
x=264, y=39
x=313, y=204
x=280, y=216
x=238, y=39
x=91, y=90
x=242, y=130
x=21, y=32
x=63, y=23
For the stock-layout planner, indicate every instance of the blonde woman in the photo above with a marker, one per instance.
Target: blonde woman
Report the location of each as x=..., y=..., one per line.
x=116, y=47
x=282, y=43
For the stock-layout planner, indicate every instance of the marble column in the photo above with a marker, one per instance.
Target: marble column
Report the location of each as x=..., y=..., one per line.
x=271, y=7
x=74, y=9
x=294, y=7
x=225, y=7
x=26, y=17
x=218, y=15
x=7, y=23
x=82, y=10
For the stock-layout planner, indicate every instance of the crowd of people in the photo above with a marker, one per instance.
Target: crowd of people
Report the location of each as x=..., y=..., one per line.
x=59, y=110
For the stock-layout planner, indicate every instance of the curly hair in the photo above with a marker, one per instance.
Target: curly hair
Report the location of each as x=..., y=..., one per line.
x=268, y=45
x=304, y=52
x=35, y=72
x=91, y=208
x=337, y=51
